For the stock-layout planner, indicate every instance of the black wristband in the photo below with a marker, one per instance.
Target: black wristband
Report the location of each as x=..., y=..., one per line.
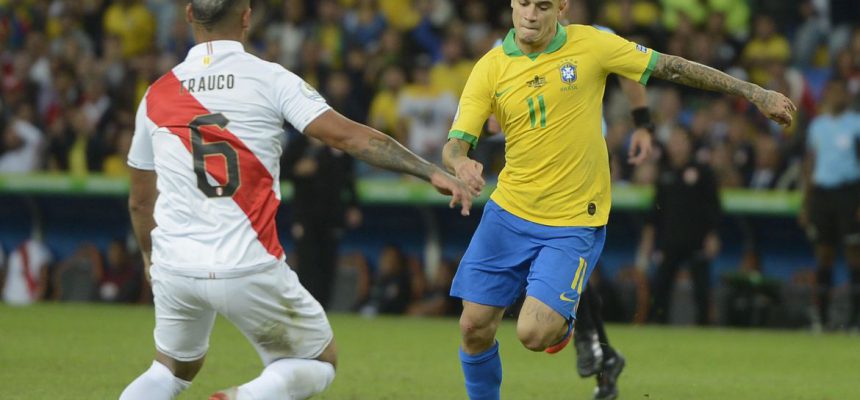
x=642, y=119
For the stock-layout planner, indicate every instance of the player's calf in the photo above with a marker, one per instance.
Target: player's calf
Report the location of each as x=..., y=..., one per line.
x=157, y=383
x=288, y=378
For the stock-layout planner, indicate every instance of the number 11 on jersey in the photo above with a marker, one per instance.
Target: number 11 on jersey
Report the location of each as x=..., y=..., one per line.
x=541, y=109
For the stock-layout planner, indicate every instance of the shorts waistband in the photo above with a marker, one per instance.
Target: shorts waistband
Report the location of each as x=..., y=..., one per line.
x=219, y=274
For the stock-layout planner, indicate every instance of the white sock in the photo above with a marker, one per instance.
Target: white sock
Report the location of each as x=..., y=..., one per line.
x=289, y=379
x=157, y=383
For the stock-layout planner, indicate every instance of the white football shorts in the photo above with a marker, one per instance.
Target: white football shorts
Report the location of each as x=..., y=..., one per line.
x=271, y=308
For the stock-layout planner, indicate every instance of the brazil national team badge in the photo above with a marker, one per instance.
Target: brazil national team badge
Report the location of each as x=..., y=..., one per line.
x=568, y=73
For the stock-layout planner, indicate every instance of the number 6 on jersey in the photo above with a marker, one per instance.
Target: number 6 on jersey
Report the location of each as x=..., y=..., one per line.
x=201, y=150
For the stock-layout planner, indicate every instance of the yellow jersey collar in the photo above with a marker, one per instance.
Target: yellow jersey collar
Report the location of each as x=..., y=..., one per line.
x=510, y=44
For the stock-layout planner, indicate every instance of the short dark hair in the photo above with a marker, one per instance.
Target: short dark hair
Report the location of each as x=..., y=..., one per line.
x=211, y=13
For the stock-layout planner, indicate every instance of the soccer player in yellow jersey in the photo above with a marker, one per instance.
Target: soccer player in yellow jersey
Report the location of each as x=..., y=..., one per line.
x=544, y=227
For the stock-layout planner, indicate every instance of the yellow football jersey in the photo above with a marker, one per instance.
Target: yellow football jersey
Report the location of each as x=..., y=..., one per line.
x=550, y=106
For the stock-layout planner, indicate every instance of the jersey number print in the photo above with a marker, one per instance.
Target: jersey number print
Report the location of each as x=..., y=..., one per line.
x=542, y=110
x=200, y=151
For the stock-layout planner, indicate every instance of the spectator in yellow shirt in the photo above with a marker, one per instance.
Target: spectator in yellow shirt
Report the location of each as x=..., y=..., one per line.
x=453, y=70
x=115, y=164
x=400, y=14
x=132, y=22
x=384, y=113
x=766, y=47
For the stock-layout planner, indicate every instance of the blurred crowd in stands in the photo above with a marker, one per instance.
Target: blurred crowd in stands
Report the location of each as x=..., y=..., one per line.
x=32, y=274
x=73, y=72
x=391, y=282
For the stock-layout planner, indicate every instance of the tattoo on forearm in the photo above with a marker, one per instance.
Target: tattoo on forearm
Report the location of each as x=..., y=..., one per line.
x=679, y=70
x=451, y=152
x=383, y=151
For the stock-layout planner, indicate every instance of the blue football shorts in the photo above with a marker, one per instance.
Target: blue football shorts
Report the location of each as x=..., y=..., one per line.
x=508, y=254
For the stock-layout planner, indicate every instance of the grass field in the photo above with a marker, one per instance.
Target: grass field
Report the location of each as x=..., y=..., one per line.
x=92, y=352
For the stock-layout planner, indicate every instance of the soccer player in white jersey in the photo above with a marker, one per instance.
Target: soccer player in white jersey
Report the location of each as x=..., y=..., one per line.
x=204, y=193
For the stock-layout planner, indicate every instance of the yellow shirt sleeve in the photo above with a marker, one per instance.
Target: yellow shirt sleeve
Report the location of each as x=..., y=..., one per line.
x=623, y=57
x=476, y=104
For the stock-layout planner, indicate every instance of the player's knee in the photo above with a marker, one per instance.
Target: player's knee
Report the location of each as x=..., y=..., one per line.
x=476, y=333
x=535, y=338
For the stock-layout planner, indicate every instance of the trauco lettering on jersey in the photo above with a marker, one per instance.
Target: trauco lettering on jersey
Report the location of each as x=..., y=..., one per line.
x=208, y=83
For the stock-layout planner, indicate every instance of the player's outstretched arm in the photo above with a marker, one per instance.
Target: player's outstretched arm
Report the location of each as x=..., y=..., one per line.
x=369, y=145
x=773, y=105
x=455, y=157
x=141, y=203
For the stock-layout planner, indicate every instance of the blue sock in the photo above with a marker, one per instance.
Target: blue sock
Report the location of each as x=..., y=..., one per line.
x=483, y=372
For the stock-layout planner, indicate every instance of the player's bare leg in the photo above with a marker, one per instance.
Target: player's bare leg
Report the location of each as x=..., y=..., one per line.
x=479, y=351
x=288, y=378
x=185, y=370
x=478, y=325
x=165, y=379
x=540, y=327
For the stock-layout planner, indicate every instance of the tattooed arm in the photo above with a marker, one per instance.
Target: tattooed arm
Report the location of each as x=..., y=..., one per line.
x=374, y=147
x=455, y=157
x=454, y=153
x=676, y=69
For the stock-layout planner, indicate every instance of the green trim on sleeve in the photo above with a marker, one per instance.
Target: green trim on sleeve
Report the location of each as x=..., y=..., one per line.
x=650, y=68
x=466, y=137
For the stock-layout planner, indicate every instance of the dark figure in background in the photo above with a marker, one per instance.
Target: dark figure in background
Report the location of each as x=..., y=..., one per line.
x=685, y=216
x=392, y=288
x=324, y=203
x=121, y=280
x=831, y=206
x=437, y=302
x=77, y=277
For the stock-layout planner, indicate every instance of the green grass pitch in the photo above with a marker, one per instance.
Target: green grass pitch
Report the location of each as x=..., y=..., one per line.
x=92, y=352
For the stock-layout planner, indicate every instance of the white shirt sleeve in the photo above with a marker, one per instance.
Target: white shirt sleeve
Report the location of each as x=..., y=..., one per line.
x=140, y=154
x=298, y=101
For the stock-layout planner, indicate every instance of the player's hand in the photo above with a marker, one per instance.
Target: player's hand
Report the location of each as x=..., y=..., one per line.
x=469, y=171
x=459, y=191
x=775, y=106
x=640, y=146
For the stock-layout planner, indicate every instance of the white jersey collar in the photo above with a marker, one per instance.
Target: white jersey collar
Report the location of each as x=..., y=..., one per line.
x=215, y=47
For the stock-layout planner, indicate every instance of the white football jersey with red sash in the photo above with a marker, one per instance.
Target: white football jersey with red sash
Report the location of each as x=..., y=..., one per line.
x=211, y=130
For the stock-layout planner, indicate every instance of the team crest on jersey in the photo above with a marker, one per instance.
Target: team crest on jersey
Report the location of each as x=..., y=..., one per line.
x=538, y=81
x=568, y=73
x=310, y=92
